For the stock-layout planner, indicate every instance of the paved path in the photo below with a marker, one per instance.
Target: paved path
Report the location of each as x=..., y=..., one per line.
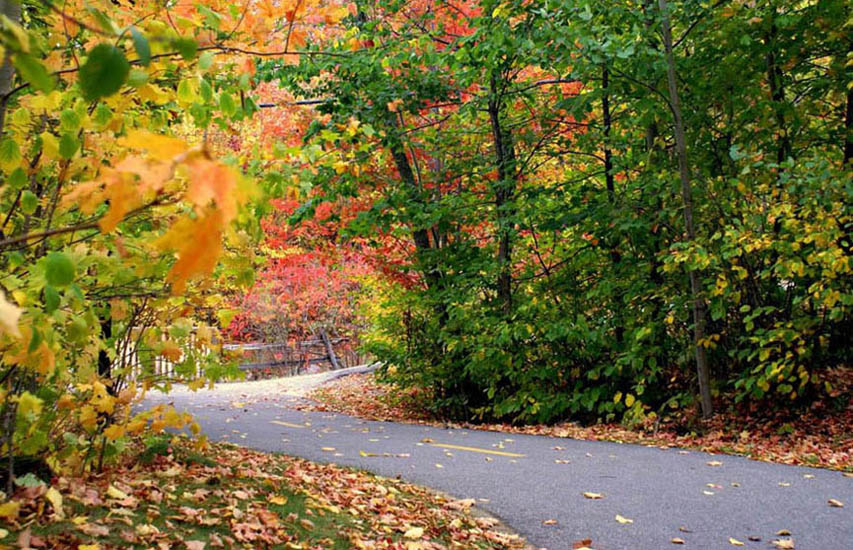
x=526, y=480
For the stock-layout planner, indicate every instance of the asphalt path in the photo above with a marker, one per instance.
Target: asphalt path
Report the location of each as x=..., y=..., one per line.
x=536, y=484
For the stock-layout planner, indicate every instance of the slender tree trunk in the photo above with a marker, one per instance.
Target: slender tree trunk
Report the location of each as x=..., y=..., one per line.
x=330, y=351
x=608, y=153
x=777, y=90
x=504, y=195
x=12, y=10
x=699, y=312
x=848, y=127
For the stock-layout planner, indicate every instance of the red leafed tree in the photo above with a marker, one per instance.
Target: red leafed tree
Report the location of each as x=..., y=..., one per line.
x=310, y=284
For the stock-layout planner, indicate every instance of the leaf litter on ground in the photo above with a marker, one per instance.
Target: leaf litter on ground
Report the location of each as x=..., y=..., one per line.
x=226, y=496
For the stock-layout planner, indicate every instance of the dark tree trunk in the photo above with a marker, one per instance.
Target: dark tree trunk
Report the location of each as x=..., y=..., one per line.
x=504, y=194
x=699, y=310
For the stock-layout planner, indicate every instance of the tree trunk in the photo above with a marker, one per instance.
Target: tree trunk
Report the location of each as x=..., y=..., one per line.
x=12, y=10
x=504, y=195
x=330, y=351
x=699, y=312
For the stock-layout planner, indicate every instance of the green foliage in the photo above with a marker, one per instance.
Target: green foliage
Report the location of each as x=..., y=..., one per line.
x=104, y=72
x=546, y=230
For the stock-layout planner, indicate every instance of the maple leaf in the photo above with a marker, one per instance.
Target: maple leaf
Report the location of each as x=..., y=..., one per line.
x=198, y=244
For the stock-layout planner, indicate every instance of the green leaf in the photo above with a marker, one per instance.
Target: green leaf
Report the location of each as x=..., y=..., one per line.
x=137, y=78
x=187, y=47
x=141, y=45
x=104, y=72
x=10, y=155
x=51, y=299
x=33, y=72
x=29, y=202
x=18, y=178
x=68, y=145
x=59, y=269
x=205, y=61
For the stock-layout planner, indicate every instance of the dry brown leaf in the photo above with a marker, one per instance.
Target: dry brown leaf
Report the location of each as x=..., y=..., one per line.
x=783, y=533
x=549, y=522
x=676, y=540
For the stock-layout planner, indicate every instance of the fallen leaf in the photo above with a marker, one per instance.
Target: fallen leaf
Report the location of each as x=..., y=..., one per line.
x=753, y=538
x=714, y=463
x=808, y=476
x=112, y=492
x=684, y=529
x=676, y=540
x=3, y=533
x=784, y=544
x=414, y=533
x=623, y=520
x=89, y=547
x=784, y=484
x=195, y=545
x=279, y=501
x=549, y=522
x=581, y=544
x=439, y=466
x=847, y=474
x=835, y=503
x=783, y=533
x=709, y=493
x=55, y=499
x=735, y=542
x=328, y=449
x=9, y=510
x=593, y=496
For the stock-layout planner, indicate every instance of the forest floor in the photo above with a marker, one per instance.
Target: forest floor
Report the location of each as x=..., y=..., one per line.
x=175, y=496
x=821, y=436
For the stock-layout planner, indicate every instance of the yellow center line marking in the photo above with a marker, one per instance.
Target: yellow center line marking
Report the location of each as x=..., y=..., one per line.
x=288, y=424
x=474, y=449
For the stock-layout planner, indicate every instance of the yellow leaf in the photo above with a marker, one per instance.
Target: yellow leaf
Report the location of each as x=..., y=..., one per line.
x=714, y=463
x=3, y=533
x=101, y=398
x=158, y=146
x=112, y=492
x=114, y=432
x=49, y=146
x=279, y=501
x=29, y=405
x=88, y=417
x=55, y=499
x=9, y=316
x=9, y=510
x=623, y=520
x=89, y=547
x=735, y=542
x=629, y=400
x=414, y=533
x=593, y=496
